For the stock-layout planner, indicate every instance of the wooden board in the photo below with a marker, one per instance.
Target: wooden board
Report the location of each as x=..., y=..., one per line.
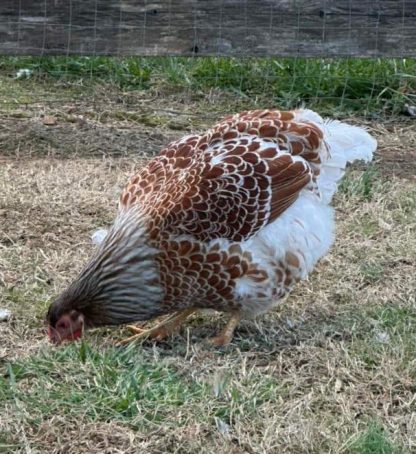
x=209, y=27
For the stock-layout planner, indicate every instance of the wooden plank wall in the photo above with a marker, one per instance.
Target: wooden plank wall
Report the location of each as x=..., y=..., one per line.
x=329, y=28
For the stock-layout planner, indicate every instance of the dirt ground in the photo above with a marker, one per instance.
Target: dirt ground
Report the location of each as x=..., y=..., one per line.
x=139, y=124
x=341, y=348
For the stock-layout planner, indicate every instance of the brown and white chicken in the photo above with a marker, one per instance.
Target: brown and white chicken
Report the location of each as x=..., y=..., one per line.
x=227, y=220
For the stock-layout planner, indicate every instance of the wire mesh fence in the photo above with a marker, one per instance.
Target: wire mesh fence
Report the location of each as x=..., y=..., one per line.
x=200, y=60
x=366, y=87
x=218, y=27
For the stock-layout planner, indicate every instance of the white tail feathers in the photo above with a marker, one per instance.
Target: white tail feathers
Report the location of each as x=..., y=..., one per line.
x=345, y=143
x=351, y=141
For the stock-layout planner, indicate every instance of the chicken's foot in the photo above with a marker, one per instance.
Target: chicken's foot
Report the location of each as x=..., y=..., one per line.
x=162, y=330
x=226, y=335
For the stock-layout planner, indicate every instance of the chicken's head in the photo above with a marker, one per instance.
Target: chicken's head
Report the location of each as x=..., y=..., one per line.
x=120, y=284
x=68, y=327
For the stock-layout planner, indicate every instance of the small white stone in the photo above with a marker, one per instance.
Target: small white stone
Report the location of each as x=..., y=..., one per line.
x=222, y=426
x=23, y=73
x=384, y=225
x=338, y=385
x=410, y=110
x=290, y=323
x=382, y=337
x=5, y=314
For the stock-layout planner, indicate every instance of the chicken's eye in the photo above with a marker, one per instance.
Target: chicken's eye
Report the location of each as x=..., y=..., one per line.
x=62, y=324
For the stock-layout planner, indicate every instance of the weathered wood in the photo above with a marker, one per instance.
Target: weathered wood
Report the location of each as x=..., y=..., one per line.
x=209, y=27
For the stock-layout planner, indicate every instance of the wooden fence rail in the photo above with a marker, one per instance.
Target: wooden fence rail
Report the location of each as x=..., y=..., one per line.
x=329, y=28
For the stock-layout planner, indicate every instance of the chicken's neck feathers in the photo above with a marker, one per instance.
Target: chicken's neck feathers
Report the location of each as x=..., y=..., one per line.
x=121, y=283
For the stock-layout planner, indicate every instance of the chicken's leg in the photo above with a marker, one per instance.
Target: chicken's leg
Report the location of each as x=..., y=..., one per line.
x=162, y=330
x=226, y=335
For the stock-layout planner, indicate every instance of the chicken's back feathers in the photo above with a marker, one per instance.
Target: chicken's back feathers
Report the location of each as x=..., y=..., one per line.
x=231, y=181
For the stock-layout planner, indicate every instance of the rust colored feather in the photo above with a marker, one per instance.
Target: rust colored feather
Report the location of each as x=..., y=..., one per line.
x=208, y=191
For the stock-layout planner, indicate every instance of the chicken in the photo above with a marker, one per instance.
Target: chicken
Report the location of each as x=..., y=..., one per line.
x=228, y=220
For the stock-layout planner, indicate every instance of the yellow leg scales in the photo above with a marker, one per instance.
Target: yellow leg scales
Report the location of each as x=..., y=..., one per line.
x=162, y=330
x=226, y=335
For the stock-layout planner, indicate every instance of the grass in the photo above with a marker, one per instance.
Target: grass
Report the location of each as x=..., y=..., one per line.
x=374, y=440
x=331, y=371
x=365, y=185
x=371, y=87
x=102, y=385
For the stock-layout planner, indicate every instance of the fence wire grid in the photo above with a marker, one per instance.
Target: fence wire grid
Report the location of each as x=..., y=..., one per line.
x=56, y=52
x=367, y=87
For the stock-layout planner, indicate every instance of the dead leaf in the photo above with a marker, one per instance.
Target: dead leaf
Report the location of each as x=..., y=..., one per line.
x=49, y=120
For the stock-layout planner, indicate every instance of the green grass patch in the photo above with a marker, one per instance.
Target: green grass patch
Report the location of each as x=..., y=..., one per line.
x=374, y=440
x=395, y=317
x=110, y=385
x=33, y=296
x=362, y=184
x=386, y=331
x=124, y=385
x=346, y=85
x=371, y=272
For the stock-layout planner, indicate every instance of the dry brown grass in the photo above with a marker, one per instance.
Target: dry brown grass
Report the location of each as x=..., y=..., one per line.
x=332, y=371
